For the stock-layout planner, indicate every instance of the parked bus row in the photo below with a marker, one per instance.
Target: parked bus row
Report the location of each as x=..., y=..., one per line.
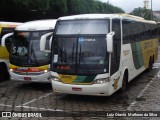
x=98, y=54
x=89, y=54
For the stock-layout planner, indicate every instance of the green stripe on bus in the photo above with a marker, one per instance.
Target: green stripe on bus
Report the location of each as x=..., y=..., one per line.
x=84, y=79
x=137, y=54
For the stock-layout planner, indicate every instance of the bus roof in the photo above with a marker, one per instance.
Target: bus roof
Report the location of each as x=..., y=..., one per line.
x=9, y=24
x=104, y=16
x=37, y=25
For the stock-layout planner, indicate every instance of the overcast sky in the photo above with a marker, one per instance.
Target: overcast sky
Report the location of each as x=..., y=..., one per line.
x=129, y=5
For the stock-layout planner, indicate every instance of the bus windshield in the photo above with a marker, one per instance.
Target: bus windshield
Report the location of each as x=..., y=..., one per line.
x=82, y=27
x=25, y=50
x=83, y=53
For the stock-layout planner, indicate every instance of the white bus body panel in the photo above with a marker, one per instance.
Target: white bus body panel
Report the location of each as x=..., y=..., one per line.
x=128, y=63
x=93, y=89
x=43, y=78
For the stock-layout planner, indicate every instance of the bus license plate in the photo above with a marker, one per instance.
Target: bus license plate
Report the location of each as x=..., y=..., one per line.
x=76, y=89
x=27, y=78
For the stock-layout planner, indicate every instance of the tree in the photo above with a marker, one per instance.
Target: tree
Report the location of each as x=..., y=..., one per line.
x=142, y=12
x=26, y=10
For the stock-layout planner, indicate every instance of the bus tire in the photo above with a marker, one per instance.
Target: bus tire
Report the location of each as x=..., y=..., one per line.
x=124, y=82
x=3, y=72
x=150, y=64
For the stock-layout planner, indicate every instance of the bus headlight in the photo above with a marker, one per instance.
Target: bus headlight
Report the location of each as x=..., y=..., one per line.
x=55, y=79
x=11, y=70
x=45, y=71
x=101, y=81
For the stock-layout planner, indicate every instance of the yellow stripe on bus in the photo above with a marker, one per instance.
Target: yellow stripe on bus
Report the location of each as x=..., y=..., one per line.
x=4, y=53
x=149, y=48
x=67, y=78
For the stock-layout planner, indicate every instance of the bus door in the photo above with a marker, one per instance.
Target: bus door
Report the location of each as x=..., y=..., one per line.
x=115, y=57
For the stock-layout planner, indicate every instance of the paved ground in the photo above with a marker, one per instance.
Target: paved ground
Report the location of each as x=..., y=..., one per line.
x=149, y=98
x=142, y=95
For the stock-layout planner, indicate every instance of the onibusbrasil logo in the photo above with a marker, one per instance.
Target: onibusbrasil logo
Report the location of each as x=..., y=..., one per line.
x=19, y=114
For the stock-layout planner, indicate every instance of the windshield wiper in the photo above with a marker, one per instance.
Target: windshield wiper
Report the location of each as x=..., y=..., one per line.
x=34, y=55
x=80, y=54
x=62, y=52
x=72, y=52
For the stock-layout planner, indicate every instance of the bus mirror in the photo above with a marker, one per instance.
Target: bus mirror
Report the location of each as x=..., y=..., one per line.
x=50, y=43
x=3, y=40
x=43, y=42
x=109, y=42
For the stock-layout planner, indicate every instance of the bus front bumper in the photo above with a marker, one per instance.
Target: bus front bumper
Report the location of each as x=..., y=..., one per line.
x=94, y=89
x=42, y=78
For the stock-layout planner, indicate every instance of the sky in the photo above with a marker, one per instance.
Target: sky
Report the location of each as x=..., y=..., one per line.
x=129, y=5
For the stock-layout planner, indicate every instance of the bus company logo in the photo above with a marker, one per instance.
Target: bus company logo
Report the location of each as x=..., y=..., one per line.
x=115, y=85
x=126, y=52
x=147, y=45
x=81, y=39
x=90, y=40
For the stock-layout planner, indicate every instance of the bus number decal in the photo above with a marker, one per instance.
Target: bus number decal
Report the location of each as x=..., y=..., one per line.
x=14, y=50
x=21, y=51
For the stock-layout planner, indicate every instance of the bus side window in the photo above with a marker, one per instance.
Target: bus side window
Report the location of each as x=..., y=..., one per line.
x=127, y=37
x=116, y=46
x=142, y=34
x=4, y=31
x=47, y=43
x=154, y=32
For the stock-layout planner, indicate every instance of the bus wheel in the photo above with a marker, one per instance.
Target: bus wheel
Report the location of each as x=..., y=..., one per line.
x=150, y=64
x=3, y=72
x=2, y=76
x=124, y=83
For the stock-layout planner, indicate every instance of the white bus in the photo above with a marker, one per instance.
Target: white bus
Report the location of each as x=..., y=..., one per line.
x=98, y=54
x=5, y=27
x=27, y=62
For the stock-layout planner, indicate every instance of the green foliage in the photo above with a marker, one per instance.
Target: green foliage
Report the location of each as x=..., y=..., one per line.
x=142, y=12
x=57, y=8
x=68, y=6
